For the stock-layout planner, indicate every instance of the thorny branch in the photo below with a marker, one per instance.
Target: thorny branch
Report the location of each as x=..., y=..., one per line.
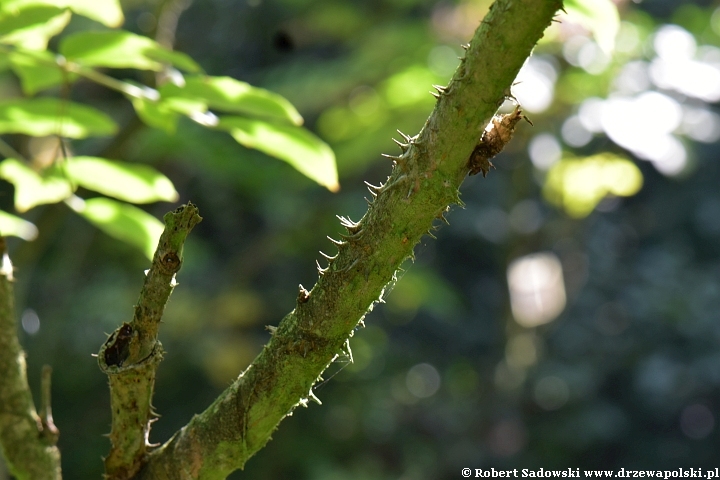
x=424, y=182
x=132, y=353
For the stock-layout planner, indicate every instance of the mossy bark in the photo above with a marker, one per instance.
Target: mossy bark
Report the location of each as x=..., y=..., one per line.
x=130, y=355
x=424, y=183
x=26, y=441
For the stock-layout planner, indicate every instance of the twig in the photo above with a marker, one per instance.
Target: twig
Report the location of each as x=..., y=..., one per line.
x=49, y=431
x=132, y=353
x=7, y=151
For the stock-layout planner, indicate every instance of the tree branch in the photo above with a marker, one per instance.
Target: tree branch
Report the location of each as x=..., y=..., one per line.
x=132, y=353
x=28, y=449
x=424, y=182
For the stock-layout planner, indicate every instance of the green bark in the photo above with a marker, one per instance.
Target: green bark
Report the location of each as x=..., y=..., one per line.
x=26, y=441
x=424, y=182
x=132, y=353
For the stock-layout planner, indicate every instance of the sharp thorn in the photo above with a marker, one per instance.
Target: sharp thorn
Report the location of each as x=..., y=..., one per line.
x=346, y=222
x=314, y=398
x=336, y=242
x=353, y=233
x=407, y=138
x=403, y=146
x=328, y=257
x=439, y=88
x=320, y=270
x=373, y=187
x=391, y=157
x=436, y=95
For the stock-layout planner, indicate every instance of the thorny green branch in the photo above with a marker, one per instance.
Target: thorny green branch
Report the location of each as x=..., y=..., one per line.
x=424, y=182
x=132, y=353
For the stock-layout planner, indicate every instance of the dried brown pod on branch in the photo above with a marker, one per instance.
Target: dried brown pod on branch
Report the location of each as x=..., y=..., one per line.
x=494, y=138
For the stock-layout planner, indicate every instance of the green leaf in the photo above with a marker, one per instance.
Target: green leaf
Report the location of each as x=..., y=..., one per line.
x=599, y=16
x=228, y=94
x=296, y=145
x=130, y=182
x=32, y=27
x=156, y=114
x=180, y=60
x=124, y=222
x=107, y=12
x=17, y=227
x=37, y=70
x=40, y=117
x=32, y=189
x=122, y=49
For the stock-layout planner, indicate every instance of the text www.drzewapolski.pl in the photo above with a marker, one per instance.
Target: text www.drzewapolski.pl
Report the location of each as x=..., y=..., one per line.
x=707, y=474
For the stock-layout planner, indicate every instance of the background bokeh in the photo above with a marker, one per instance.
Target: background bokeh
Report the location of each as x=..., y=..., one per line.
x=567, y=317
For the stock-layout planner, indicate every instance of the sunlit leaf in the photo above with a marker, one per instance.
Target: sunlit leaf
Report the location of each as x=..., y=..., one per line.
x=577, y=185
x=51, y=116
x=185, y=106
x=296, y=145
x=178, y=59
x=130, y=182
x=599, y=16
x=37, y=70
x=32, y=27
x=124, y=222
x=156, y=114
x=32, y=189
x=228, y=94
x=122, y=49
x=10, y=225
x=107, y=12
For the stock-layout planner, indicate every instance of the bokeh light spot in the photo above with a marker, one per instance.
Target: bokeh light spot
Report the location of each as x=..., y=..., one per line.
x=492, y=224
x=574, y=132
x=578, y=185
x=537, y=290
x=697, y=421
x=507, y=437
x=534, y=86
x=551, y=393
x=423, y=380
x=673, y=42
x=700, y=124
x=30, y=321
x=544, y=151
x=521, y=351
x=628, y=38
x=526, y=217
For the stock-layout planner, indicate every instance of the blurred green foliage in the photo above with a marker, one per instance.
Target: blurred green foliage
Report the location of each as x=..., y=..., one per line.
x=271, y=124
x=443, y=376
